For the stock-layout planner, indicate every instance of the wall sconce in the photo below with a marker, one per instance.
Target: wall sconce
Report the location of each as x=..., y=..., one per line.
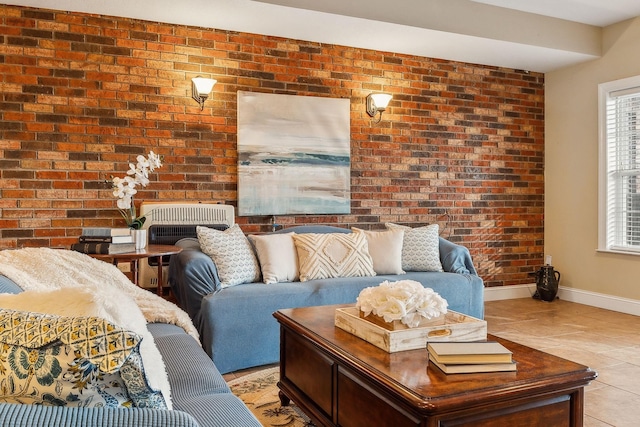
x=377, y=102
x=201, y=88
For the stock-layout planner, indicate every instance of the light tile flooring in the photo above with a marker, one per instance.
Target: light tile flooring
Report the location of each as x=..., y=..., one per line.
x=606, y=341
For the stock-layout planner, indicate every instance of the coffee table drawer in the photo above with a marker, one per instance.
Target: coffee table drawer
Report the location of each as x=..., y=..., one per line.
x=359, y=405
x=310, y=371
x=554, y=412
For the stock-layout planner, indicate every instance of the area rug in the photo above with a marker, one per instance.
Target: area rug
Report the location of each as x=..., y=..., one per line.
x=259, y=391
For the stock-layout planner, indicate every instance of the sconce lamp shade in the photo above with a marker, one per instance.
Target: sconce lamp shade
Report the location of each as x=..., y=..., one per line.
x=201, y=88
x=377, y=102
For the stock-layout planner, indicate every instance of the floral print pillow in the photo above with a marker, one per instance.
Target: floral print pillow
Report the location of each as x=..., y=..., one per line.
x=71, y=361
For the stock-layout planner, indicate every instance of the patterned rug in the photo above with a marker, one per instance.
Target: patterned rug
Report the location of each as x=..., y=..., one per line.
x=260, y=393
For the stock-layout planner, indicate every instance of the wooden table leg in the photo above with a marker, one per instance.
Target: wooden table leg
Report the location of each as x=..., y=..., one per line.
x=159, y=291
x=134, y=271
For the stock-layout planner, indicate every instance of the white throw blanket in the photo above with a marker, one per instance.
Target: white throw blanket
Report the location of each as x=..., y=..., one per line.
x=47, y=269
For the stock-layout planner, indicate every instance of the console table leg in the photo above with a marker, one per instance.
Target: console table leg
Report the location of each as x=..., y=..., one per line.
x=159, y=290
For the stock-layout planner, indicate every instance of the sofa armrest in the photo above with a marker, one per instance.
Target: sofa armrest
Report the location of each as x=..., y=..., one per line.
x=192, y=276
x=55, y=416
x=455, y=258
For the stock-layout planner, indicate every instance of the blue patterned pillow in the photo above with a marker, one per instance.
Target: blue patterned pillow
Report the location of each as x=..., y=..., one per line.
x=71, y=361
x=420, y=248
x=231, y=251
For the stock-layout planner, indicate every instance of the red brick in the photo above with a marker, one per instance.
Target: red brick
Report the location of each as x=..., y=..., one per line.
x=460, y=144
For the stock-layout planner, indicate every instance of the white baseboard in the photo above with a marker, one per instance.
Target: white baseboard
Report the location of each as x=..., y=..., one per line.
x=594, y=299
x=496, y=293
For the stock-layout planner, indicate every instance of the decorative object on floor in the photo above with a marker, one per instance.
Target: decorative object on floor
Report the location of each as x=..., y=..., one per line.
x=547, y=281
x=293, y=154
x=405, y=300
x=125, y=188
x=259, y=391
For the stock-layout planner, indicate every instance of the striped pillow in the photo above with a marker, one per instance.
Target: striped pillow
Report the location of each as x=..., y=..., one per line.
x=328, y=255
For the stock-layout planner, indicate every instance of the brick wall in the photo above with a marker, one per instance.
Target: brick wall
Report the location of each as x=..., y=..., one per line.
x=82, y=95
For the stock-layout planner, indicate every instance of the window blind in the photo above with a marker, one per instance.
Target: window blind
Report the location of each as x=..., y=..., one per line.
x=622, y=121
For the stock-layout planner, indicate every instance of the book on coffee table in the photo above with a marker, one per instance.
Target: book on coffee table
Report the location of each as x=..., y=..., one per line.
x=473, y=367
x=477, y=352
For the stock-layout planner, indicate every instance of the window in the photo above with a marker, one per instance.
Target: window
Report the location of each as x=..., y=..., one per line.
x=619, y=191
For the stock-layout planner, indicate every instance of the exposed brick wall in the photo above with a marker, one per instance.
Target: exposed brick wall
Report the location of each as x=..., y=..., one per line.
x=82, y=95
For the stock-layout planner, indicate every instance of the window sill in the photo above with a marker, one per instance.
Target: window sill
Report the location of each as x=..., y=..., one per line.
x=618, y=252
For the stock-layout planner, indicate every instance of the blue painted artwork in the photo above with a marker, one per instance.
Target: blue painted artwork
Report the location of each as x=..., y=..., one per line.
x=293, y=155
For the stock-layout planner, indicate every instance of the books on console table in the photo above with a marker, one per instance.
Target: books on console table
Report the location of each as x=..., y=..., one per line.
x=103, y=248
x=456, y=352
x=473, y=367
x=106, y=239
x=106, y=231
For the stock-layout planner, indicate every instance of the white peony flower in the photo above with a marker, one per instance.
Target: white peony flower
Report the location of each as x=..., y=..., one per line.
x=404, y=300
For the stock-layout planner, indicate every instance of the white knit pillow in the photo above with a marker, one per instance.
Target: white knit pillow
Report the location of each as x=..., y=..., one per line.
x=327, y=255
x=231, y=251
x=277, y=256
x=385, y=248
x=421, y=247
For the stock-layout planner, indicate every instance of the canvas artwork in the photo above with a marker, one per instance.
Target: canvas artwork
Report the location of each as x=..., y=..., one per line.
x=293, y=155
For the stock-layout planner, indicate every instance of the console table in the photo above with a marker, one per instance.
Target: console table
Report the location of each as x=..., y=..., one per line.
x=337, y=378
x=150, y=251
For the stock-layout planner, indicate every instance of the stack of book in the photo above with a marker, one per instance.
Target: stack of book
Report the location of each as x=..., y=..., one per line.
x=105, y=241
x=469, y=357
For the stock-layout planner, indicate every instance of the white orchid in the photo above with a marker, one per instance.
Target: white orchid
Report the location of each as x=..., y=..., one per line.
x=125, y=188
x=404, y=300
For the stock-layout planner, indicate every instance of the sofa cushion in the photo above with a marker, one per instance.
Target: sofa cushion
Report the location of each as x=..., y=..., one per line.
x=114, y=306
x=231, y=251
x=385, y=248
x=326, y=255
x=420, y=248
x=71, y=361
x=278, y=257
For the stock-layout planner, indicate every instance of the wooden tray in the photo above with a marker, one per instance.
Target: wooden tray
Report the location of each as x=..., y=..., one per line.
x=453, y=326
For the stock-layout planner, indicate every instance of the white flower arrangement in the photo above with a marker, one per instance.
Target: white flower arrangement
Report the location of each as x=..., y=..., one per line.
x=404, y=300
x=125, y=188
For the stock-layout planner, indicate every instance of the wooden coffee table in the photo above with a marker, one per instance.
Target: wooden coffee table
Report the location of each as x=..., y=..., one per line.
x=337, y=378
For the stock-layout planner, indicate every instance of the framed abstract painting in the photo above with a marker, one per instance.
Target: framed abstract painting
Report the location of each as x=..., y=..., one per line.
x=293, y=154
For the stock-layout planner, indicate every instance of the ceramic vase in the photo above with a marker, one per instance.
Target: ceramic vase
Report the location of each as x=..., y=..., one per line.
x=139, y=238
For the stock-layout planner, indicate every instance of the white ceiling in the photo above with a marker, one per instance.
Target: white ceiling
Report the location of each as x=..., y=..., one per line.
x=535, y=35
x=593, y=12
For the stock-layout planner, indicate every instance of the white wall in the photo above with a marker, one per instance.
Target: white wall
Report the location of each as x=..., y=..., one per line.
x=571, y=168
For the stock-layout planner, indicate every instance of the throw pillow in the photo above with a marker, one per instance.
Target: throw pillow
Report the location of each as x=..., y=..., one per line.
x=420, y=248
x=277, y=256
x=385, y=248
x=327, y=255
x=114, y=307
x=231, y=251
x=74, y=362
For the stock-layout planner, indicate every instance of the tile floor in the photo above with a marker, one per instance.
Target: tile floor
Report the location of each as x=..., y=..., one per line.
x=606, y=341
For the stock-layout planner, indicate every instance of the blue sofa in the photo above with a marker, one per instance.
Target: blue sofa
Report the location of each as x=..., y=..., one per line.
x=200, y=396
x=236, y=324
